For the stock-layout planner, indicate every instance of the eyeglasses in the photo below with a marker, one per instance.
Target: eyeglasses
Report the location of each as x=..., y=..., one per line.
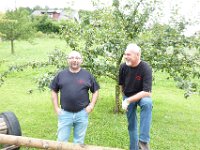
x=76, y=58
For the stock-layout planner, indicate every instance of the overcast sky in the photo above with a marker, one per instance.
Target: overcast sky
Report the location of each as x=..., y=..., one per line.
x=186, y=5
x=189, y=8
x=11, y=4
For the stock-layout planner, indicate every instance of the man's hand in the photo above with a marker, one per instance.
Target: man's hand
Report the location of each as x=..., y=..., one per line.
x=89, y=108
x=58, y=111
x=125, y=104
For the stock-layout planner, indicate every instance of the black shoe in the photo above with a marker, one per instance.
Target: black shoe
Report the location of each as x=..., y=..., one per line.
x=144, y=145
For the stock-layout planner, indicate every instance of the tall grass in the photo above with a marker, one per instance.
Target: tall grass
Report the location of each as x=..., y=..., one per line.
x=175, y=124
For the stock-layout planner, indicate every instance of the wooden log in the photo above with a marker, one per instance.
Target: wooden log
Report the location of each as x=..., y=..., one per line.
x=10, y=147
x=1, y=120
x=2, y=124
x=3, y=127
x=3, y=132
x=47, y=144
x=12, y=123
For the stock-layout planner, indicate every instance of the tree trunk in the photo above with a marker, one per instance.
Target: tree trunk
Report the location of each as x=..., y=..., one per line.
x=12, y=47
x=117, y=88
x=117, y=99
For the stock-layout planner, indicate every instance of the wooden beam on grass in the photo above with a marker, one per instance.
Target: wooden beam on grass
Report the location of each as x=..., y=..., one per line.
x=47, y=144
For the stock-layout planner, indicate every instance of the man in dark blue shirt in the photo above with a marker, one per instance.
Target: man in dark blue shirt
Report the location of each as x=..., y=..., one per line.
x=73, y=84
x=135, y=80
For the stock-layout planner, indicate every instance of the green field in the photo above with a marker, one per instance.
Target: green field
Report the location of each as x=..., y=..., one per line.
x=175, y=123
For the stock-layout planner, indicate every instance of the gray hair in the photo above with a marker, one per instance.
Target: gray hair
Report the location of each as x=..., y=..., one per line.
x=74, y=53
x=133, y=47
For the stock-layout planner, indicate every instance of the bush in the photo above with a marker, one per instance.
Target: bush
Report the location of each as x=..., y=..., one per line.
x=53, y=35
x=39, y=34
x=45, y=24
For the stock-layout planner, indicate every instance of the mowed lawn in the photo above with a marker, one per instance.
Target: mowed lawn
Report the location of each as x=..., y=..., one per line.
x=175, y=124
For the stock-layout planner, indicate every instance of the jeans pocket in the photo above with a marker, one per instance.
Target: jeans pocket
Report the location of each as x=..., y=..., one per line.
x=61, y=112
x=85, y=111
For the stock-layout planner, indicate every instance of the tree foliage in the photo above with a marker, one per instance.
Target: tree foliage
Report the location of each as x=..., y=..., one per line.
x=45, y=24
x=102, y=36
x=16, y=25
x=174, y=53
x=106, y=33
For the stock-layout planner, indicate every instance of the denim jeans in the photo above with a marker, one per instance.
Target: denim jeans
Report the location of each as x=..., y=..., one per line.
x=145, y=121
x=68, y=120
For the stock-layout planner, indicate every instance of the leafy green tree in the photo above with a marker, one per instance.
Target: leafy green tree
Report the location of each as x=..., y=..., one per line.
x=37, y=7
x=16, y=25
x=106, y=33
x=172, y=52
x=45, y=24
x=28, y=9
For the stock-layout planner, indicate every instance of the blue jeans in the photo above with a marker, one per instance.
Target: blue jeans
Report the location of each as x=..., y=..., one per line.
x=77, y=120
x=145, y=121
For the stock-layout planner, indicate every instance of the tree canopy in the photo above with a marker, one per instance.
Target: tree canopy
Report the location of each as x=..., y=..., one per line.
x=106, y=32
x=16, y=25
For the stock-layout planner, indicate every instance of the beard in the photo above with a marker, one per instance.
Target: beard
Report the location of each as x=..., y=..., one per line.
x=128, y=63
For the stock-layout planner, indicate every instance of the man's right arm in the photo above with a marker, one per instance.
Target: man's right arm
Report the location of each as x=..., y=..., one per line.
x=138, y=96
x=54, y=97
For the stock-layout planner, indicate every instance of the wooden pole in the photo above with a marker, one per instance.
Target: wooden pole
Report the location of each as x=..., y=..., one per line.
x=47, y=144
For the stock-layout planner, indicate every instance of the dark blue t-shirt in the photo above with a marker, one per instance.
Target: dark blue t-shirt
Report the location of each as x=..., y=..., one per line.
x=74, y=89
x=135, y=79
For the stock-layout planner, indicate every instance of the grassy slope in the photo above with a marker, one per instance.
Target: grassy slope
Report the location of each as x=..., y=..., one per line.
x=175, y=123
x=175, y=119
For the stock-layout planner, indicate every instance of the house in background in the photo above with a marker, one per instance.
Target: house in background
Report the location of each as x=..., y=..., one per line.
x=58, y=14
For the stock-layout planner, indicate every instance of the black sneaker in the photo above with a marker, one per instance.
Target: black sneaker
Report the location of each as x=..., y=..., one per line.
x=144, y=145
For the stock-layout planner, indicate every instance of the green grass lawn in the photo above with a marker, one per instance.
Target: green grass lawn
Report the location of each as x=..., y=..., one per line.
x=175, y=124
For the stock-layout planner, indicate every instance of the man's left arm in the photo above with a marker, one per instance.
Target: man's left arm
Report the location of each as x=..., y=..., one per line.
x=90, y=107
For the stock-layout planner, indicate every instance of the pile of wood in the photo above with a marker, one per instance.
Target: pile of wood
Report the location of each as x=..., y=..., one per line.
x=3, y=126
